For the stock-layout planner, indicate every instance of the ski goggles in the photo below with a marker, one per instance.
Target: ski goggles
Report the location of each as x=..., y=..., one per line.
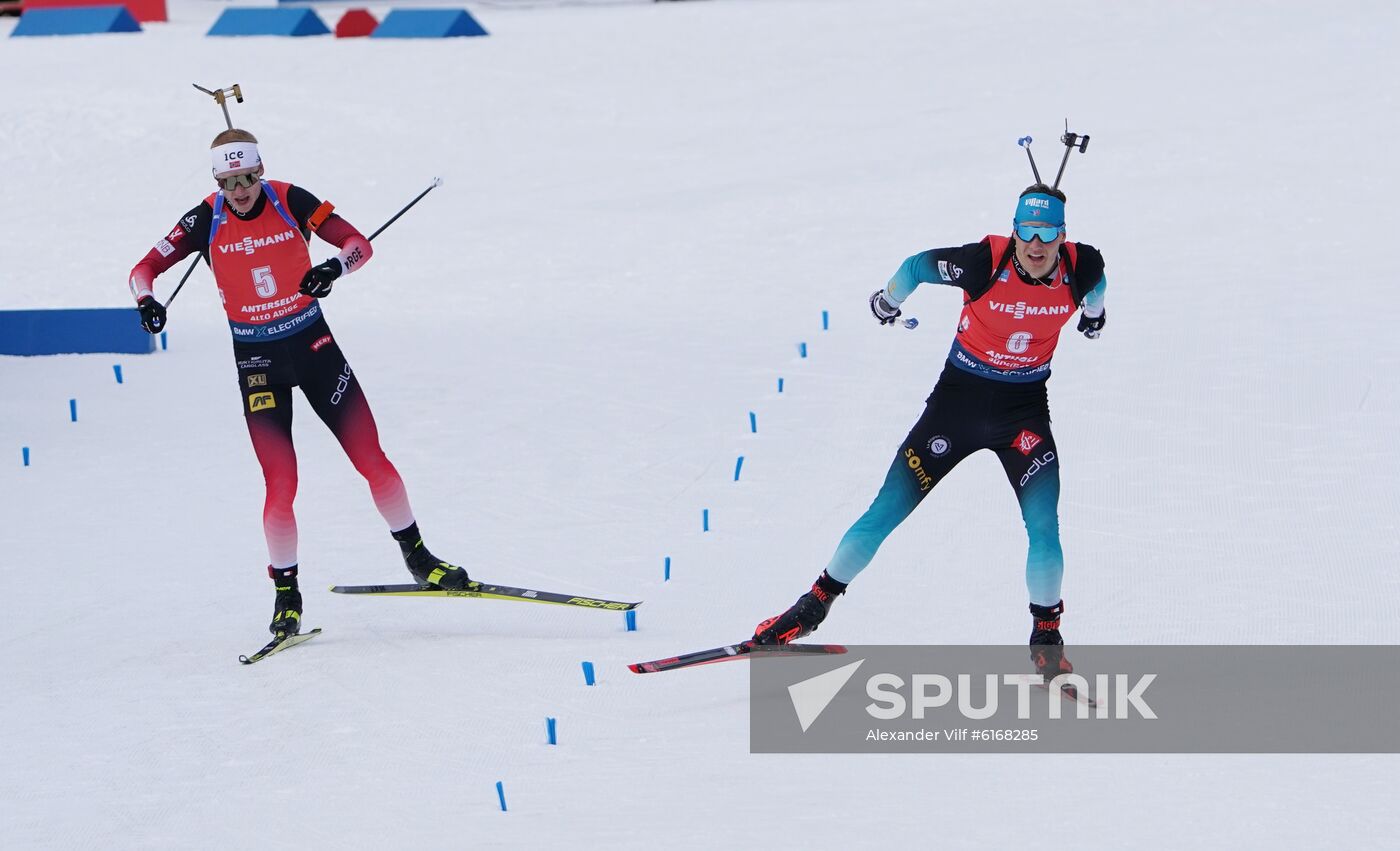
x=1028, y=231
x=234, y=181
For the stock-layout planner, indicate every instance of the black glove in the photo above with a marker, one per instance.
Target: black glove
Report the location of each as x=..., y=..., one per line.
x=318, y=280
x=1091, y=327
x=152, y=314
x=885, y=312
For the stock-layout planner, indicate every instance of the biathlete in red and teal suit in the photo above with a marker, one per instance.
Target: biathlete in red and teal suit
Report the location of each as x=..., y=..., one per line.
x=254, y=234
x=1018, y=292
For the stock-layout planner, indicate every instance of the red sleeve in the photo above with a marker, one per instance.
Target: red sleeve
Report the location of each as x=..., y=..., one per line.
x=187, y=237
x=355, y=250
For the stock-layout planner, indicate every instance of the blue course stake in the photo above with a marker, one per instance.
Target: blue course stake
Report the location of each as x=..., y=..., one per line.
x=753, y=422
x=24, y=450
x=501, y=793
x=117, y=368
x=825, y=321
x=631, y=620
x=162, y=341
x=666, y=577
x=73, y=409
x=802, y=349
x=705, y=520
x=549, y=727
x=780, y=385
x=588, y=673
x=738, y=465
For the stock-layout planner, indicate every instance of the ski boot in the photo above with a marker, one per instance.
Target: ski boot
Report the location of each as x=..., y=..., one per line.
x=428, y=569
x=286, y=610
x=1047, y=646
x=804, y=616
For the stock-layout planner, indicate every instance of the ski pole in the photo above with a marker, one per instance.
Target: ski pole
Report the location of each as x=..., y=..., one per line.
x=437, y=181
x=182, y=280
x=1025, y=142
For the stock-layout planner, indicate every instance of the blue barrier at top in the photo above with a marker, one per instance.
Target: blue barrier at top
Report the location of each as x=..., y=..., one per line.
x=248, y=20
x=57, y=332
x=77, y=20
x=427, y=23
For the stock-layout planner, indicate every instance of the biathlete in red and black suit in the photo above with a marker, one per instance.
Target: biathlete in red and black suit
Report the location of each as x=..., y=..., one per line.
x=254, y=234
x=1018, y=292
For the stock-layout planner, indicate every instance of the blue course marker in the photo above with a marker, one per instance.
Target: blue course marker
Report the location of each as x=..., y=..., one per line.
x=631, y=620
x=117, y=368
x=162, y=341
x=501, y=793
x=826, y=320
x=549, y=728
x=73, y=409
x=588, y=678
x=780, y=385
x=24, y=450
x=802, y=349
x=753, y=422
x=738, y=465
x=705, y=520
x=665, y=577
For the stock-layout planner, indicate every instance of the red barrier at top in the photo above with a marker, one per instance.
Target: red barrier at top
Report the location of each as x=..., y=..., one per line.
x=145, y=11
x=355, y=23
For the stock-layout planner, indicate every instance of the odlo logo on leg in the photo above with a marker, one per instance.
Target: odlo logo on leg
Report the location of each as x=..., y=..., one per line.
x=917, y=465
x=342, y=383
x=1037, y=465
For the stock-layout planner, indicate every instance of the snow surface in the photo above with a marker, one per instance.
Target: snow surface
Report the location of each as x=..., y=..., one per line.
x=647, y=207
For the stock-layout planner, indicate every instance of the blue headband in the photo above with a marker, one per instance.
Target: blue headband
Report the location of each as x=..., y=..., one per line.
x=1038, y=208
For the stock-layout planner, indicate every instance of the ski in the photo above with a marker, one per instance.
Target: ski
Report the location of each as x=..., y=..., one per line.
x=487, y=592
x=278, y=644
x=731, y=652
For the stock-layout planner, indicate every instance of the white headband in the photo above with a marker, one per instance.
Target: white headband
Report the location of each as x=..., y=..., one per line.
x=235, y=156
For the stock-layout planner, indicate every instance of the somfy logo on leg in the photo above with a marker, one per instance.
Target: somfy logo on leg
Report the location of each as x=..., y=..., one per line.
x=811, y=697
